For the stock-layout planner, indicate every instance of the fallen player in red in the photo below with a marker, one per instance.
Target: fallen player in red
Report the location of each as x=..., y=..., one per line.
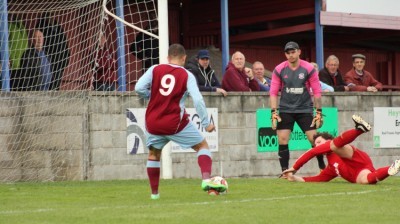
x=347, y=161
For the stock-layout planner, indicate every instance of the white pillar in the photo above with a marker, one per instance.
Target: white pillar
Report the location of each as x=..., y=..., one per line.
x=166, y=160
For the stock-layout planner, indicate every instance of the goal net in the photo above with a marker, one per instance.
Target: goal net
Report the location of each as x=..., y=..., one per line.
x=57, y=59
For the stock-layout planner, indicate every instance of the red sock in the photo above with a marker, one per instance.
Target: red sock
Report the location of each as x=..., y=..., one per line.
x=346, y=137
x=378, y=175
x=153, y=172
x=205, y=162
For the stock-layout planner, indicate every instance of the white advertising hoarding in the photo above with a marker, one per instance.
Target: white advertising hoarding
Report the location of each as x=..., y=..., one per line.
x=136, y=138
x=386, y=127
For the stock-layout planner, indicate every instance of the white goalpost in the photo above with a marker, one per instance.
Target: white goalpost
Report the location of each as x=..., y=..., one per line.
x=162, y=23
x=62, y=56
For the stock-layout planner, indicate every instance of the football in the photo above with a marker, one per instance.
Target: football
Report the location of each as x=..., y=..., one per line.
x=222, y=181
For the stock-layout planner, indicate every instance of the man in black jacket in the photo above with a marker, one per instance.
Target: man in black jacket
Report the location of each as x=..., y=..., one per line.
x=205, y=75
x=331, y=75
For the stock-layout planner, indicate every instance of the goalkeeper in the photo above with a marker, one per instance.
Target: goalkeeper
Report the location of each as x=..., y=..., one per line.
x=294, y=78
x=345, y=160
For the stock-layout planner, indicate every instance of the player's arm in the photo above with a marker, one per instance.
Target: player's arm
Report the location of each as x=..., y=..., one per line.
x=316, y=88
x=198, y=100
x=142, y=87
x=274, y=90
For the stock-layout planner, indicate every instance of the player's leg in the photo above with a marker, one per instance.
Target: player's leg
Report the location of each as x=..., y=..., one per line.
x=380, y=174
x=304, y=121
x=284, y=129
x=205, y=163
x=153, y=171
x=190, y=137
x=349, y=136
x=339, y=144
x=155, y=144
x=283, y=150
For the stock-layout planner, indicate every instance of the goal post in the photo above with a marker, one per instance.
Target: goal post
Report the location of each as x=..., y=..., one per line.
x=162, y=8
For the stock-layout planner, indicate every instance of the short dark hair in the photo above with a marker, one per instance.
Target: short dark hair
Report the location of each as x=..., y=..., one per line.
x=324, y=135
x=176, y=51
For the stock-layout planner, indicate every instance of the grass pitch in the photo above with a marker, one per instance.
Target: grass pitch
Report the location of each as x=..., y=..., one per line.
x=261, y=200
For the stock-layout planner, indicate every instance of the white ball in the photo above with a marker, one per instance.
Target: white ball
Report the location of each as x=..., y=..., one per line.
x=220, y=180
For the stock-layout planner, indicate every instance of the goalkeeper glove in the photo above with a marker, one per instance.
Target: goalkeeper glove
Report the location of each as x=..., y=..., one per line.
x=318, y=121
x=275, y=119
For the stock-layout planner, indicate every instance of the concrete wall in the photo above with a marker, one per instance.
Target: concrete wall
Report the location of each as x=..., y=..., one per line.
x=83, y=136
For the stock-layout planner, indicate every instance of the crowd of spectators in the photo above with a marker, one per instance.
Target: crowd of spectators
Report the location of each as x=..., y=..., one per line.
x=41, y=64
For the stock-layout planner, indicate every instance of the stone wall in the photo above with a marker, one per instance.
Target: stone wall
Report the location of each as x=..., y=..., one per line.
x=84, y=137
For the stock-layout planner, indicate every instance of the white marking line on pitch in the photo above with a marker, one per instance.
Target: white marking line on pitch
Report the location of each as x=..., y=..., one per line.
x=292, y=197
x=12, y=212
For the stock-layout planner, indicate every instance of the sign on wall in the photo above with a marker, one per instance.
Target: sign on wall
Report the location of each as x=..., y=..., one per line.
x=386, y=127
x=136, y=138
x=267, y=140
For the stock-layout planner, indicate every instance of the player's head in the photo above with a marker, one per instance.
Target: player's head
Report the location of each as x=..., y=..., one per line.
x=176, y=54
x=292, y=52
x=321, y=137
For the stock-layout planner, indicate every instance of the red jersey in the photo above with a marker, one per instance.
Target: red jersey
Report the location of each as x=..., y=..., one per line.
x=348, y=169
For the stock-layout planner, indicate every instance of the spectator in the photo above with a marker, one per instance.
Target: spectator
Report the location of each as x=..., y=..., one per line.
x=200, y=66
x=55, y=46
x=295, y=78
x=18, y=42
x=259, y=74
x=324, y=87
x=332, y=76
x=36, y=71
x=145, y=46
x=237, y=77
x=360, y=79
x=105, y=77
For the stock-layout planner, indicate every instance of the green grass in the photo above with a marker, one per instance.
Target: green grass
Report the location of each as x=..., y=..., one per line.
x=269, y=200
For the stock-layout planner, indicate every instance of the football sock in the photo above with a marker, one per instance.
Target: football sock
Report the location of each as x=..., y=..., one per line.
x=284, y=156
x=205, y=163
x=378, y=175
x=321, y=162
x=153, y=172
x=346, y=137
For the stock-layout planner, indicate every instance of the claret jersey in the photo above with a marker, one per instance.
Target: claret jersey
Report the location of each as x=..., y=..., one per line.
x=167, y=86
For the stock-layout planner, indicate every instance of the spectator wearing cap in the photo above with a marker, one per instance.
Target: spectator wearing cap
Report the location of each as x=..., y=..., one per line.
x=237, y=77
x=295, y=79
x=206, y=79
x=360, y=79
